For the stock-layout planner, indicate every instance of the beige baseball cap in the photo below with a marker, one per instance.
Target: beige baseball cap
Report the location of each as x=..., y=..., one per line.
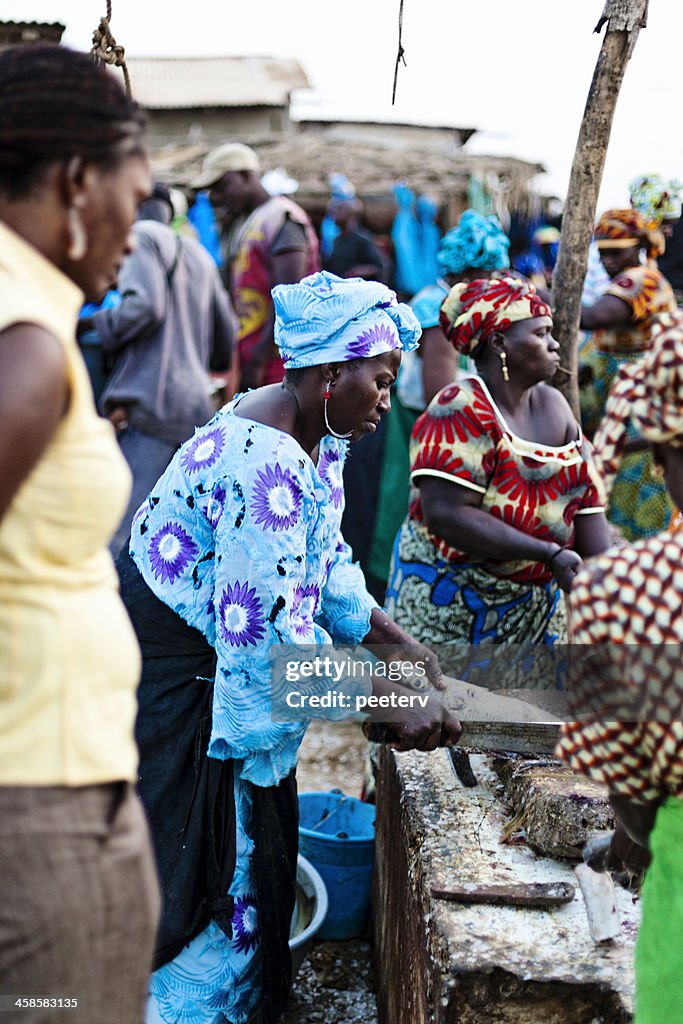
x=231, y=156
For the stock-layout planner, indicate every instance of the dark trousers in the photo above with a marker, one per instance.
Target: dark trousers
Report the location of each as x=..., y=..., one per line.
x=189, y=797
x=147, y=458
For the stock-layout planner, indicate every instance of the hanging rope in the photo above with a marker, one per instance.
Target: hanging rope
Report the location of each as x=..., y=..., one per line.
x=105, y=49
x=400, y=56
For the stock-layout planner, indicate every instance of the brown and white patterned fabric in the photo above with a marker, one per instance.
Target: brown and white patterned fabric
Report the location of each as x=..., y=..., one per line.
x=629, y=601
x=648, y=393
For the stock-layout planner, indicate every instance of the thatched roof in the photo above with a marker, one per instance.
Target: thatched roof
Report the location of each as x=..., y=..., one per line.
x=373, y=169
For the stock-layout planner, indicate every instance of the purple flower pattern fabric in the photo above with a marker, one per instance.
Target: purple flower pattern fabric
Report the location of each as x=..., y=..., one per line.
x=170, y=552
x=245, y=924
x=376, y=339
x=213, y=509
x=331, y=470
x=240, y=615
x=304, y=607
x=215, y=972
x=327, y=319
x=241, y=537
x=203, y=451
x=277, y=499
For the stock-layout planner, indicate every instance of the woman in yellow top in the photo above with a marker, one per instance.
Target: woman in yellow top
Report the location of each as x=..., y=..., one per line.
x=80, y=901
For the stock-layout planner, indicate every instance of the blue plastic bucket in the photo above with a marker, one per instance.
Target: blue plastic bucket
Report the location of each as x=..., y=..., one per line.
x=337, y=835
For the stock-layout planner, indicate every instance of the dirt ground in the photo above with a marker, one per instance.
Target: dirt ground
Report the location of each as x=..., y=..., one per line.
x=336, y=984
x=331, y=757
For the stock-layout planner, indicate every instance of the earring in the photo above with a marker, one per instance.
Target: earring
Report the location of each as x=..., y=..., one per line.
x=327, y=394
x=504, y=366
x=77, y=245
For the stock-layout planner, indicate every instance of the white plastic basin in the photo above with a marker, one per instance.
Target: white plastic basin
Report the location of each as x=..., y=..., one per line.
x=309, y=914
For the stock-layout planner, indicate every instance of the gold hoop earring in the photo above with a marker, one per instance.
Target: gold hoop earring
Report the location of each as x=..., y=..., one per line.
x=77, y=245
x=504, y=367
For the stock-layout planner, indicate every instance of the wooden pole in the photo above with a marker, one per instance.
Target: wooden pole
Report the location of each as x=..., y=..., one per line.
x=624, y=19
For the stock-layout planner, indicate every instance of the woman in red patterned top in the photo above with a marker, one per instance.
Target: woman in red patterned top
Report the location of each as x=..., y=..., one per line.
x=629, y=602
x=504, y=503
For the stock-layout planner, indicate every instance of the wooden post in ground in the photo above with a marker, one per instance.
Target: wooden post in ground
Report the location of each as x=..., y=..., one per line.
x=624, y=19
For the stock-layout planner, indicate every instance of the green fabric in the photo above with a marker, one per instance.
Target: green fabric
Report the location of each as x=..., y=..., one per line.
x=604, y=367
x=479, y=197
x=659, y=950
x=639, y=503
x=450, y=603
x=394, y=488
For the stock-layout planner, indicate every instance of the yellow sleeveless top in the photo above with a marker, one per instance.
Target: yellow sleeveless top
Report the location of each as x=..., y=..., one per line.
x=69, y=661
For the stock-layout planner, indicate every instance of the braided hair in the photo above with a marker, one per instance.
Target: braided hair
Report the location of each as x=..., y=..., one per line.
x=57, y=104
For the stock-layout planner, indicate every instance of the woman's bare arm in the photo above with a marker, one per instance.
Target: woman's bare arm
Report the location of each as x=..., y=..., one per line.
x=592, y=534
x=34, y=395
x=439, y=362
x=453, y=513
x=608, y=311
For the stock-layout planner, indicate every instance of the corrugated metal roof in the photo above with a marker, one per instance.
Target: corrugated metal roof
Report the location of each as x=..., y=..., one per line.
x=328, y=122
x=34, y=24
x=167, y=83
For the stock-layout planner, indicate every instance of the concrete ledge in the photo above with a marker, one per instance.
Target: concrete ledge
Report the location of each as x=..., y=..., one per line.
x=442, y=962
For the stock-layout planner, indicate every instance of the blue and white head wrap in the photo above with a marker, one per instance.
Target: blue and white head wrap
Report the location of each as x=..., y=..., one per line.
x=477, y=241
x=329, y=319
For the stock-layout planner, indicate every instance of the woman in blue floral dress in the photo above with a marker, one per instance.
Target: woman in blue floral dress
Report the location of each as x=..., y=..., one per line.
x=238, y=548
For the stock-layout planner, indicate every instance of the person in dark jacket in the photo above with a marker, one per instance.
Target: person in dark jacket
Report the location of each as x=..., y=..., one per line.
x=174, y=324
x=354, y=254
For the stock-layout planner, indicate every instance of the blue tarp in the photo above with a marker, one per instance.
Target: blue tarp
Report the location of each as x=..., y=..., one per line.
x=201, y=216
x=416, y=241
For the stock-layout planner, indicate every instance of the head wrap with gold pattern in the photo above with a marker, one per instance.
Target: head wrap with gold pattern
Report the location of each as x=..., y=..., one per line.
x=620, y=229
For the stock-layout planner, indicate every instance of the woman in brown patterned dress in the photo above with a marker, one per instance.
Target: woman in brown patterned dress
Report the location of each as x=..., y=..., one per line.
x=629, y=601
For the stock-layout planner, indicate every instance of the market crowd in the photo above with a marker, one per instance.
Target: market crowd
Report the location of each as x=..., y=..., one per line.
x=277, y=448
